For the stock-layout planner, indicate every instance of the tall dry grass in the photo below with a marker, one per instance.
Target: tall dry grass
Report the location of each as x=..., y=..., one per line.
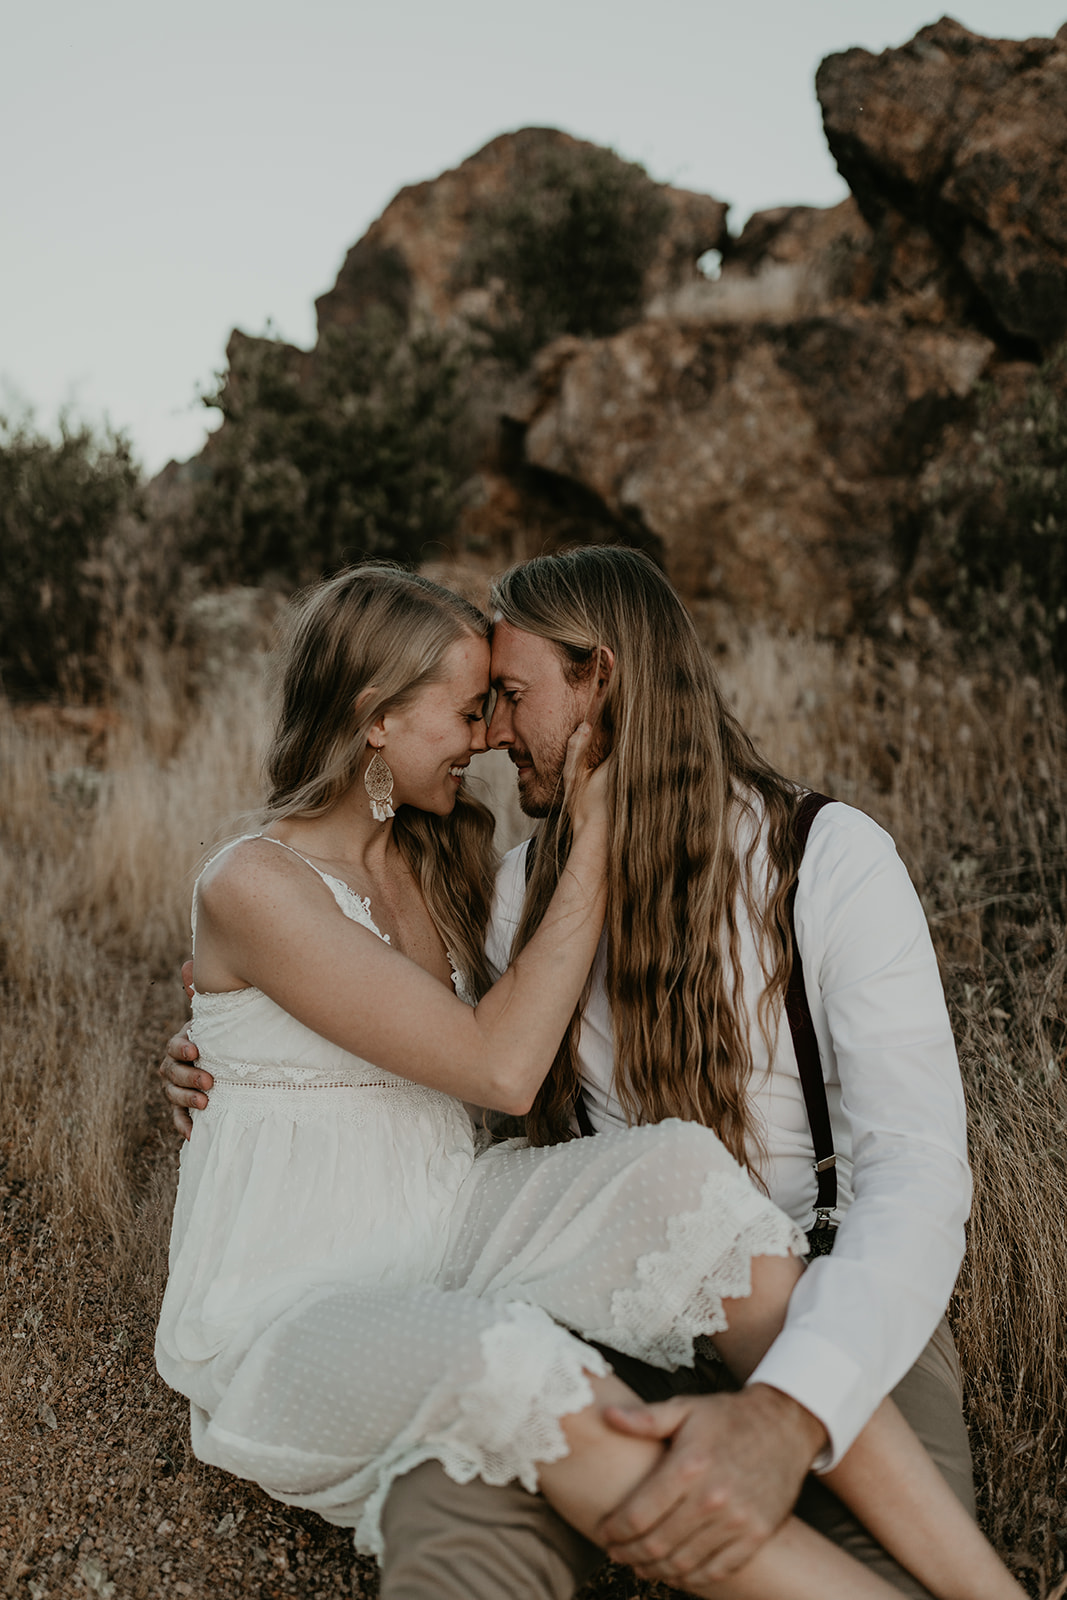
x=98, y=848
x=100, y=830
x=95, y=874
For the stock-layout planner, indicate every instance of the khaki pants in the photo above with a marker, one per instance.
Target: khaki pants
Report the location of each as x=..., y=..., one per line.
x=450, y=1541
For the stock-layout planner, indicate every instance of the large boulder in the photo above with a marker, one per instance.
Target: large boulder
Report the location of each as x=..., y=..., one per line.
x=410, y=260
x=770, y=467
x=955, y=148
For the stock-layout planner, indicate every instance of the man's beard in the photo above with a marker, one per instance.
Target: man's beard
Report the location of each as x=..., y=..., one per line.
x=542, y=794
x=535, y=799
x=539, y=795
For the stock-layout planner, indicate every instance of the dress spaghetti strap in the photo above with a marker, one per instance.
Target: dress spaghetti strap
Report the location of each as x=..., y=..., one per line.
x=355, y=907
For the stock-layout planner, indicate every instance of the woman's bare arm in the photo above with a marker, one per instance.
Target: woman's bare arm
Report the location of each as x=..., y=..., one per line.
x=281, y=933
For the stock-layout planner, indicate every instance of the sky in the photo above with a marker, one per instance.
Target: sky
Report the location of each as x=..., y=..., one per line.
x=171, y=171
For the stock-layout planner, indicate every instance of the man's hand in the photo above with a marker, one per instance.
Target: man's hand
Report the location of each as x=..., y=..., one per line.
x=181, y=1077
x=731, y=1476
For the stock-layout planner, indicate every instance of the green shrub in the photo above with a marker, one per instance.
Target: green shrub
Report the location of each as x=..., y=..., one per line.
x=69, y=522
x=328, y=458
x=1000, y=525
x=569, y=245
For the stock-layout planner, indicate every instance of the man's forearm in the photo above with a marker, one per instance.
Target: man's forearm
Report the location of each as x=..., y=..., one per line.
x=853, y=1328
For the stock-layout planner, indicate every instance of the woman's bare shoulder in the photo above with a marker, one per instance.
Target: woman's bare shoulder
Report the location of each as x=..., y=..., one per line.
x=242, y=872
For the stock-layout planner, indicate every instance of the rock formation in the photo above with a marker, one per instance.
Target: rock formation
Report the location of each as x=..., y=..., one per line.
x=955, y=148
x=767, y=434
x=769, y=465
x=410, y=258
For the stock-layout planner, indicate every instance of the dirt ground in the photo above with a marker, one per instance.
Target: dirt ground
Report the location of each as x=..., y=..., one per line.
x=99, y=1492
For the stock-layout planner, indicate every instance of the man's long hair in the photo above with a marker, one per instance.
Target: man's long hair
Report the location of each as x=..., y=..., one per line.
x=687, y=779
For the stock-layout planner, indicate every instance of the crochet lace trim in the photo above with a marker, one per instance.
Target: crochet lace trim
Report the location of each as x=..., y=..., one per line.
x=508, y=1423
x=676, y=1295
x=354, y=1104
x=281, y=1074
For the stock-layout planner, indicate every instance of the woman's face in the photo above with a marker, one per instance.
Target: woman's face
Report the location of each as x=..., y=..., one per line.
x=429, y=742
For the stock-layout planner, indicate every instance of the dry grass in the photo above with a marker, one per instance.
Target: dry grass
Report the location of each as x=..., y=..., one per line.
x=100, y=831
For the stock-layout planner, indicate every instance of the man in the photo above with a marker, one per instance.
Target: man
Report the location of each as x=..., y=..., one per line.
x=681, y=1018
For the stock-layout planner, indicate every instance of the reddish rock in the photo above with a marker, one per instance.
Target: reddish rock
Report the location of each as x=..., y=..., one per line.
x=964, y=139
x=800, y=235
x=788, y=262
x=408, y=259
x=771, y=466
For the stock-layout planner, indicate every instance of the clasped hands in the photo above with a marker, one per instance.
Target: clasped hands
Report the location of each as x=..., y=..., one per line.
x=733, y=1470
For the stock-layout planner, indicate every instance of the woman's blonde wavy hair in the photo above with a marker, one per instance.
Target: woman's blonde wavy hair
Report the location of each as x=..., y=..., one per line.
x=685, y=775
x=360, y=644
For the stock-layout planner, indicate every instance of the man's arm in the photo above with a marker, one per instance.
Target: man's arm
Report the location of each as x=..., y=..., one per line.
x=859, y=1318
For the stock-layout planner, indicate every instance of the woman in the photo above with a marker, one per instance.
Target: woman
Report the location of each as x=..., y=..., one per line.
x=359, y=1283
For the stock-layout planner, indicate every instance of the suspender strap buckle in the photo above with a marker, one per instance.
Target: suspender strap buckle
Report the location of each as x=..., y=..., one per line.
x=822, y=1235
x=825, y=1164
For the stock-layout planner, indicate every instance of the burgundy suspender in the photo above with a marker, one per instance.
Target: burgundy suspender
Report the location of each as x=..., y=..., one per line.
x=806, y=1046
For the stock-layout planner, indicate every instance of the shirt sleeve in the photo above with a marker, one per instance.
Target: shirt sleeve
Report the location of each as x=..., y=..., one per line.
x=506, y=909
x=859, y=1318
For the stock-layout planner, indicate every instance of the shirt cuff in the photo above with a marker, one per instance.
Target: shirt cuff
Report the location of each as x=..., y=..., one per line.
x=826, y=1382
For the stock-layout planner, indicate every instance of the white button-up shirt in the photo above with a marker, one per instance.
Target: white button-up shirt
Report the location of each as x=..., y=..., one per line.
x=859, y=1318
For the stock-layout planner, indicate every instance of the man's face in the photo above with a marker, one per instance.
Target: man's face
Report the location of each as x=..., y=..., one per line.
x=537, y=709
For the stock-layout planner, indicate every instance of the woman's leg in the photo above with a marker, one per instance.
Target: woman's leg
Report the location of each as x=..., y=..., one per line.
x=886, y=1478
x=602, y=1468
x=516, y=1243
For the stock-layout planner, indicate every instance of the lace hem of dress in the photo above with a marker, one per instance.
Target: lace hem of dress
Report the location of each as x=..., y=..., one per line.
x=508, y=1423
x=676, y=1295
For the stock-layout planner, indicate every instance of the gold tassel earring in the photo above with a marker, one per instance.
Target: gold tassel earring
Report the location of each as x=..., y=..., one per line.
x=379, y=785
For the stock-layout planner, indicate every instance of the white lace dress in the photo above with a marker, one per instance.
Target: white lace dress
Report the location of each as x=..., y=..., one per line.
x=358, y=1283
